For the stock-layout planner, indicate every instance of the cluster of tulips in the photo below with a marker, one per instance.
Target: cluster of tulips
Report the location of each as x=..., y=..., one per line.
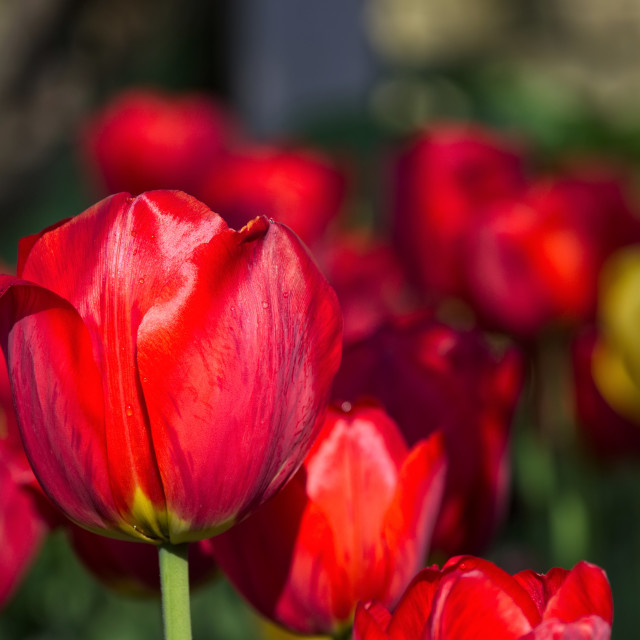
x=301, y=402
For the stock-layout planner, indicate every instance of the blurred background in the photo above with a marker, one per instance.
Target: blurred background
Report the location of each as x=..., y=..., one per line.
x=355, y=79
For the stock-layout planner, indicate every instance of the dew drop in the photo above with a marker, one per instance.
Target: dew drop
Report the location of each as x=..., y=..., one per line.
x=141, y=280
x=265, y=305
x=272, y=221
x=346, y=407
x=286, y=294
x=128, y=410
x=145, y=379
x=153, y=236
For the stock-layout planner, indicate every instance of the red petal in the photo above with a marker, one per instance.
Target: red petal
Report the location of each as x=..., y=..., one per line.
x=585, y=591
x=410, y=617
x=588, y=628
x=236, y=362
x=411, y=518
x=370, y=622
x=470, y=605
x=59, y=401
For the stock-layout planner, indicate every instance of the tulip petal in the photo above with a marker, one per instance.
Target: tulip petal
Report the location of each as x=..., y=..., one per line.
x=253, y=349
x=585, y=591
x=48, y=333
x=412, y=613
x=370, y=622
x=587, y=628
x=470, y=605
x=410, y=520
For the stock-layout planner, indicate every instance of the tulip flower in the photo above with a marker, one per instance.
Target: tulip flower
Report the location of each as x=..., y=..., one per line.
x=147, y=139
x=445, y=178
x=299, y=188
x=608, y=429
x=353, y=524
x=606, y=361
x=429, y=376
x=176, y=376
x=368, y=278
x=535, y=261
x=473, y=598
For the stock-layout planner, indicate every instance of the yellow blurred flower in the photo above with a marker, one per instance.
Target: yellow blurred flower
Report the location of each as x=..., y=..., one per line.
x=616, y=360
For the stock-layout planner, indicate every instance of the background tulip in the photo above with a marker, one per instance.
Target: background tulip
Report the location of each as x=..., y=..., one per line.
x=149, y=139
x=471, y=597
x=354, y=524
x=297, y=187
x=429, y=376
x=535, y=261
x=445, y=178
x=176, y=376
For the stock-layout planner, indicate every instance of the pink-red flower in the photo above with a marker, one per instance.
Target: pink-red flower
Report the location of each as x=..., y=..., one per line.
x=169, y=373
x=473, y=598
x=297, y=187
x=368, y=278
x=147, y=139
x=353, y=524
x=535, y=260
x=443, y=180
x=429, y=376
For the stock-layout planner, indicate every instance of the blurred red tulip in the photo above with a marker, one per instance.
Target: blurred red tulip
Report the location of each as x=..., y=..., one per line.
x=22, y=525
x=429, y=376
x=473, y=598
x=444, y=179
x=368, y=278
x=177, y=375
x=535, y=260
x=146, y=139
x=607, y=432
x=131, y=568
x=354, y=524
x=296, y=187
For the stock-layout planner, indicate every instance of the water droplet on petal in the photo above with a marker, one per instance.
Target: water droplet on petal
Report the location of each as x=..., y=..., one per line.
x=286, y=294
x=145, y=379
x=141, y=281
x=346, y=407
x=272, y=221
x=265, y=305
x=128, y=410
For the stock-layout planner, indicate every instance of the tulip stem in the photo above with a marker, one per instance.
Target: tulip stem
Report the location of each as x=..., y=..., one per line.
x=174, y=580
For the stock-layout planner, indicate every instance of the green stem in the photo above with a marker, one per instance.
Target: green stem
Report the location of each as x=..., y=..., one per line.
x=174, y=580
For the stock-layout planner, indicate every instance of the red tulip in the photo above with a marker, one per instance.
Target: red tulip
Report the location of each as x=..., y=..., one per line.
x=22, y=525
x=132, y=568
x=445, y=179
x=175, y=377
x=607, y=432
x=298, y=188
x=353, y=524
x=146, y=139
x=368, y=278
x=536, y=260
x=473, y=598
x=429, y=376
